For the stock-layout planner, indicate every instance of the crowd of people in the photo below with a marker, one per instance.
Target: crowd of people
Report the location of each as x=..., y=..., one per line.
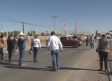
x=54, y=44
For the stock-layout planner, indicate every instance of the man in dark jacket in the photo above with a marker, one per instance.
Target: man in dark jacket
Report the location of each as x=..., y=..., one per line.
x=22, y=46
x=10, y=47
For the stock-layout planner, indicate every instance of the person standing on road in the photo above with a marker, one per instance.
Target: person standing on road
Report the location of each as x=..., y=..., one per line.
x=10, y=47
x=1, y=50
x=80, y=38
x=14, y=41
x=56, y=47
x=91, y=41
x=2, y=41
x=22, y=46
x=36, y=46
x=87, y=41
x=103, y=51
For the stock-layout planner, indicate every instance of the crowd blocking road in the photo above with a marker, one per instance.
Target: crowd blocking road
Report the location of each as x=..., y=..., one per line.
x=42, y=70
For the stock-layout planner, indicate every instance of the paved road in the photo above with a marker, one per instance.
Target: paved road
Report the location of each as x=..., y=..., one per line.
x=42, y=70
x=110, y=57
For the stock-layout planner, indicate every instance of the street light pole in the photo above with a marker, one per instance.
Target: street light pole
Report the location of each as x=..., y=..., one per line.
x=54, y=23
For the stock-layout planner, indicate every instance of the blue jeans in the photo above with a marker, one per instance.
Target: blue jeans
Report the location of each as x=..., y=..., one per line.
x=35, y=49
x=10, y=54
x=15, y=49
x=21, y=56
x=55, y=59
x=92, y=45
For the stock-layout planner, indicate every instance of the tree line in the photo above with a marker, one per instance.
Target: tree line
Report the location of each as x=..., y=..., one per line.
x=29, y=33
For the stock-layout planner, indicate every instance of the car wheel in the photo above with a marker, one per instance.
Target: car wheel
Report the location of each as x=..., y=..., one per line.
x=75, y=45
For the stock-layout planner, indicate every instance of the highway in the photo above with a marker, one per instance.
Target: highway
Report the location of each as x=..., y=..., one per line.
x=41, y=71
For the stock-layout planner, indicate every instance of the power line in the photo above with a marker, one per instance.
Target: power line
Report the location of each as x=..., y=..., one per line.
x=4, y=1
x=16, y=21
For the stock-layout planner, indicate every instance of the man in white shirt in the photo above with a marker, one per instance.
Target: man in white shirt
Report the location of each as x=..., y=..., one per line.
x=56, y=47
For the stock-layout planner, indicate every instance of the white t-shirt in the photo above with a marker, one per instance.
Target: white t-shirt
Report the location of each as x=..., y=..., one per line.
x=36, y=43
x=54, y=43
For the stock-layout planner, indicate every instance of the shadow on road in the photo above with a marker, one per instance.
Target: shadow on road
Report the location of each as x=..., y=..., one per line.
x=28, y=68
x=69, y=68
x=5, y=63
x=16, y=66
x=18, y=61
x=49, y=68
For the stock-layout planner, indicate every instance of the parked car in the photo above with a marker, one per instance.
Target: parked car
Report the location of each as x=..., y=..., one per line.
x=69, y=41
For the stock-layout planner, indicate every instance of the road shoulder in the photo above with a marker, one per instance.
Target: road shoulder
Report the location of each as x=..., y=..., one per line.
x=86, y=69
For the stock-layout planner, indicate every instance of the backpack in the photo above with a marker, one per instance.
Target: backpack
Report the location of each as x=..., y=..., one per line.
x=1, y=44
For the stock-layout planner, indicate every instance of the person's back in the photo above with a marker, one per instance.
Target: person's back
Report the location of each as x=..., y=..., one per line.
x=91, y=39
x=36, y=43
x=103, y=45
x=87, y=39
x=103, y=51
x=14, y=41
x=1, y=44
x=1, y=49
x=10, y=45
x=21, y=43
x=54, y=42
x=56, y=46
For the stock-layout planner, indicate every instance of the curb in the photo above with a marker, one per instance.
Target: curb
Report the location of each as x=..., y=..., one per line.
x=109, y=72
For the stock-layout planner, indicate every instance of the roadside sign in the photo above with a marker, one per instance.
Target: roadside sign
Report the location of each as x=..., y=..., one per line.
x=110, y=30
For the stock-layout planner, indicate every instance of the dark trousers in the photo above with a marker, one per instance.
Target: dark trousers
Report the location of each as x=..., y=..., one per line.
x=103, y=56
x=21, y=56
x=86, y=43
x=35, y=49
x=10, y=54
x=55, y=59
x=1, y=54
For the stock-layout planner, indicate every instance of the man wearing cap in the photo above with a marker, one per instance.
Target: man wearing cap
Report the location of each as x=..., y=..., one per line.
x=22, y=46
x=56, y=47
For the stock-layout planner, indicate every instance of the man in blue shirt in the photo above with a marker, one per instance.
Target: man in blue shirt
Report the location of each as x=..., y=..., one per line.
x=22, y=46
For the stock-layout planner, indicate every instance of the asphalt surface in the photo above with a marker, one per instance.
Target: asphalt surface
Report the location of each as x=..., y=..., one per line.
x=41, y=71
x=110, y=57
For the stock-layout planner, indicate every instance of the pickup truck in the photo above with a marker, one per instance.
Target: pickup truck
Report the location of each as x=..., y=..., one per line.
x=69, y=41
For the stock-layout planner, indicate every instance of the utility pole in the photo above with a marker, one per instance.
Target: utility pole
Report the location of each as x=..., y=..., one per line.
x=23, y=26
x=64, y=27
x=54, y=23
x=75, y=29
x=84, y=32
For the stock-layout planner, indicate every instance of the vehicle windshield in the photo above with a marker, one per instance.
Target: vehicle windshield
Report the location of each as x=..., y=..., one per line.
x=71, y=38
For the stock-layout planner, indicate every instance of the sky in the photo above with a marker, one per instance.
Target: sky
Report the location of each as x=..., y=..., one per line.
x=89, y=15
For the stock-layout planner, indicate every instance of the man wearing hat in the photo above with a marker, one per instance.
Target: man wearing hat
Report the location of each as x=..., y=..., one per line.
x=22, y=46
x=55, y=45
